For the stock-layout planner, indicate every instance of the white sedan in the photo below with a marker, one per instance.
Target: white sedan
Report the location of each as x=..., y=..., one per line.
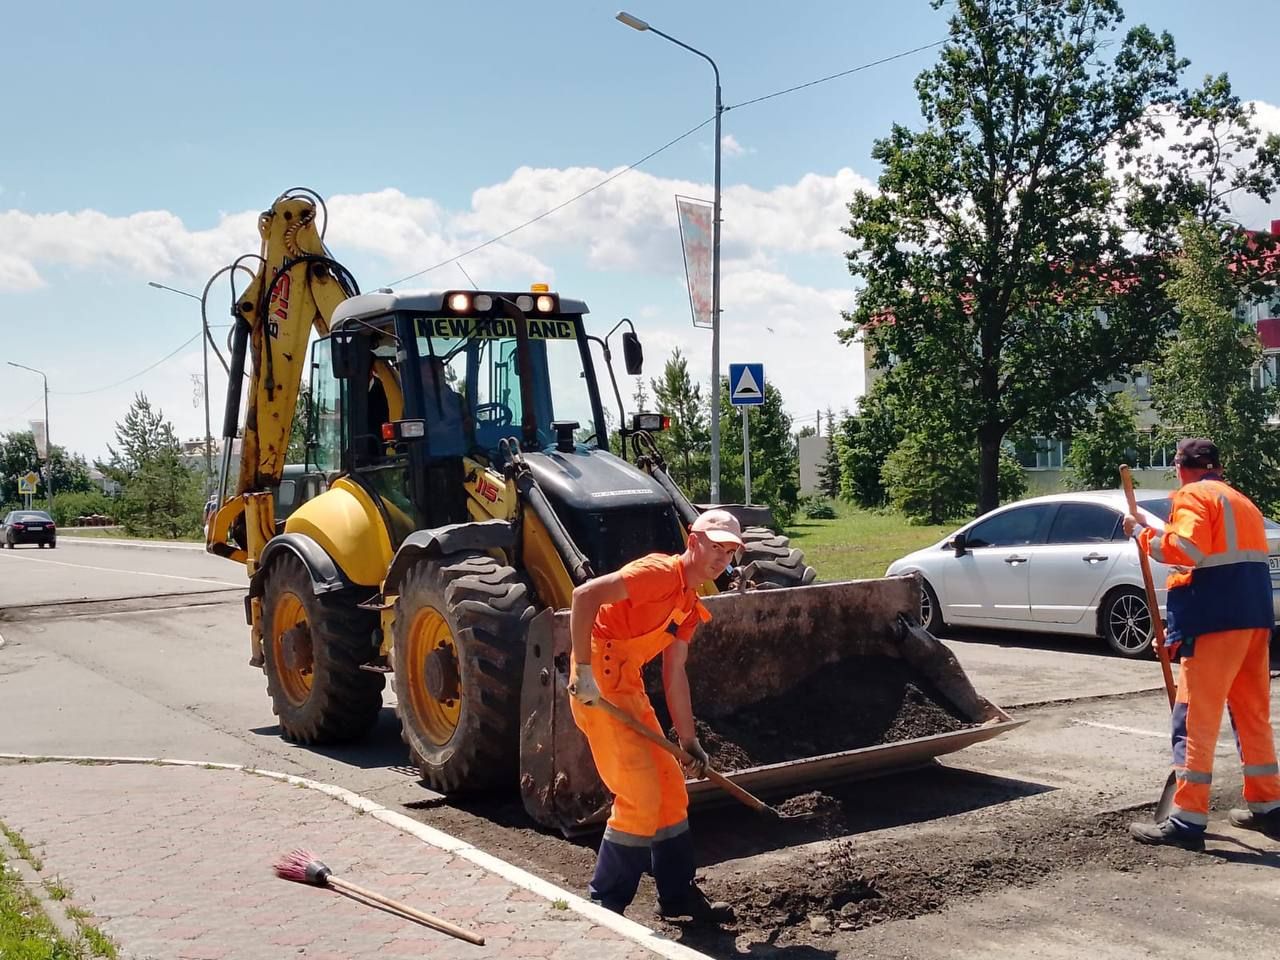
x=1055, y=564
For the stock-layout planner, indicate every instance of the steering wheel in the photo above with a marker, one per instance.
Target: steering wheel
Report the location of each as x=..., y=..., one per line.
x=493, y=415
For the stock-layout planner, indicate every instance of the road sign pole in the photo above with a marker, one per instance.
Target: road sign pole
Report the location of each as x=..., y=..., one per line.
x=746, y=457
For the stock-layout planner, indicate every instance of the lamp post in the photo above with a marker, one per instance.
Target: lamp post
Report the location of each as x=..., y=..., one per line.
x=204, y=343
x=48, y=444
x=636, y=23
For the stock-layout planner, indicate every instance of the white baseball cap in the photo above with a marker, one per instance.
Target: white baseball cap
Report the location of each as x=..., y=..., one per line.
x=718, y=525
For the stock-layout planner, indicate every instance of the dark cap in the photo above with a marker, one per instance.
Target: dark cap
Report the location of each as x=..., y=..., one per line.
x=1197, y=453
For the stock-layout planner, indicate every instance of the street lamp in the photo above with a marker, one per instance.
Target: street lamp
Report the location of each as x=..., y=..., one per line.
x=48, y=444
x=636, y=23
x=204, y=344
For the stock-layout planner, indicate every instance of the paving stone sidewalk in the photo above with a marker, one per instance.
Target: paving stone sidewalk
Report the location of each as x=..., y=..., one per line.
x=175, y=864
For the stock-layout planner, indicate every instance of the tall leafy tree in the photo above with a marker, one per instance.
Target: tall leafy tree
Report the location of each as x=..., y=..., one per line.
x=686, y=445
x=18, y=455
x=1203, y=384
x=1002, y=225
x=775, y=469
x=829, y=473
x=1103, y=442
x=160, y=495
x=863, y=443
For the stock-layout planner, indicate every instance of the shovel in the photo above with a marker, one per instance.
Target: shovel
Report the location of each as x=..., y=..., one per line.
x=1165, y=804
x=715, y=776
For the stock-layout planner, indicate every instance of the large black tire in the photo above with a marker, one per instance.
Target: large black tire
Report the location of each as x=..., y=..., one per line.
x=777, y=563
x=460, y=629
x=317, y=688
x=1125, y=623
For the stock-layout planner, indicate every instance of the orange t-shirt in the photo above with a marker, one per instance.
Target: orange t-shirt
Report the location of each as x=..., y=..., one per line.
x=655, y=588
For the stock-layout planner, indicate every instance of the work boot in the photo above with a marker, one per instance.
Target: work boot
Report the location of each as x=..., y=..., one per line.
x=695, y=905
x=1268, y=823
x=1167, y=833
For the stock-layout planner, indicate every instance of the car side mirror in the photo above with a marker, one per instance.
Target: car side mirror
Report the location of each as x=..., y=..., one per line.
x=632, y=354
x=959, y=543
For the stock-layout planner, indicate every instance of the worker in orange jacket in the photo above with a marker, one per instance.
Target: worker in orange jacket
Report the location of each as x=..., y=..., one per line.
x=1219, y=623
x=619, y=622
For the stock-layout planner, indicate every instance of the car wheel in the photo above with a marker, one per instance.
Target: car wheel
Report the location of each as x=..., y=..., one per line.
x=1126, y=623
x=930, y=608
x=53, y=544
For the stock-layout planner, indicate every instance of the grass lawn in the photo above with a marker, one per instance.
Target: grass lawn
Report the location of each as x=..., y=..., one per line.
x=25, y=932
x=859, y=543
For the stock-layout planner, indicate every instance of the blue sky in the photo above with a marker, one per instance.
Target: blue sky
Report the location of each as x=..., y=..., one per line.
x=146, y=136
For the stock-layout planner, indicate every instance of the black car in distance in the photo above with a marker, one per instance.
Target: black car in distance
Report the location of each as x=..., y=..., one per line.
x=28, y=526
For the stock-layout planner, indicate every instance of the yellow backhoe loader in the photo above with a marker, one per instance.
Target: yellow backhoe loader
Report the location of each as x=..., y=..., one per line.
x=468, y=482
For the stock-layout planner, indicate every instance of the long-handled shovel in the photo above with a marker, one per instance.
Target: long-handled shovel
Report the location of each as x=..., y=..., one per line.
x=715, y=776
x=1165, y=805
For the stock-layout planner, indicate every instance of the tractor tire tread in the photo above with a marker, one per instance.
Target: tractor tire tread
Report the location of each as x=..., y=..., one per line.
x=488, y=609
x=345, y=701
x=777, y=563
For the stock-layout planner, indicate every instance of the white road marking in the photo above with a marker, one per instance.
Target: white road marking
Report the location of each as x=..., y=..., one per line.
x=1161, y=734
x=132, y=573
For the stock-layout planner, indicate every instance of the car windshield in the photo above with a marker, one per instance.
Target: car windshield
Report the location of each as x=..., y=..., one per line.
x=471, y=364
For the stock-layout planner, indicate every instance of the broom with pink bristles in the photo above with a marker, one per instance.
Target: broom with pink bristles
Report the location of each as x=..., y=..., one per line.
x=302, y=866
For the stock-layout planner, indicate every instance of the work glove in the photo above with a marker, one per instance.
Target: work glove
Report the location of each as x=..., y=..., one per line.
x=697, y=769
x=582, y=684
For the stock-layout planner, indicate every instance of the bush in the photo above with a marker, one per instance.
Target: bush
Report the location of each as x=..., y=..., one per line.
x=816, y=508
x=68, y=506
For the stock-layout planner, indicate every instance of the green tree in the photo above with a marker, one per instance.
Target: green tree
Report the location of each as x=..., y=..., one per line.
x=1106, y=440
x=829, y=472
x=863, y=443
x=686, y=445
x=1203, y=384
x=18, y=455
x=160, y=495
x=929, y=477
x=297, y=452
x=1001, y=226
x=775, y=471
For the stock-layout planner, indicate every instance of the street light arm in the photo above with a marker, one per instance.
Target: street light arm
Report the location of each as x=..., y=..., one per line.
x=678, y=43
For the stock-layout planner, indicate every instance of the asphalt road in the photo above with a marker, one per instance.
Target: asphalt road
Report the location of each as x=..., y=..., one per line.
x=119, y=651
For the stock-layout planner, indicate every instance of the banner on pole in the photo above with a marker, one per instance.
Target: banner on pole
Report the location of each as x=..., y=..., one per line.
x=41, y=435
x=696, y=232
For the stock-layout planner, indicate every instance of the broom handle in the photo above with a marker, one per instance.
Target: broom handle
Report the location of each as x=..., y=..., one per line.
x=1157, y=625
x=444, y=926
x=658, y=740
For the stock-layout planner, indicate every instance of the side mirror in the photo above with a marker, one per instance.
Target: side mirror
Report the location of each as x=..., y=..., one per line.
x=959, y=543
x=632, y=354
x=344, y=347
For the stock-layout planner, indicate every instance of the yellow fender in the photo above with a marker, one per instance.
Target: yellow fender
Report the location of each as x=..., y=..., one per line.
x=345, y=521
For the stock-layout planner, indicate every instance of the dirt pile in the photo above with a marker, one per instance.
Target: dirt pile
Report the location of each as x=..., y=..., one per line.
x=859, y=702
x=854, y=888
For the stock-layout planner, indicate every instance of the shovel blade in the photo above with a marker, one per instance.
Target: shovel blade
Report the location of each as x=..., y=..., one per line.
x=1164, y=807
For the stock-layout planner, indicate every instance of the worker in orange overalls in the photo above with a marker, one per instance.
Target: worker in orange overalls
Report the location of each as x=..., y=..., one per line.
x=1219, y=622
x=619, y=622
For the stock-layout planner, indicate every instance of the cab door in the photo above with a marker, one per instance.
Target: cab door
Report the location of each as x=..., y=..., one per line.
x=990, y=583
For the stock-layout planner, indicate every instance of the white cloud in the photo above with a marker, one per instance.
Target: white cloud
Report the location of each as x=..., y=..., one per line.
x=626, y=230
x=730, y=147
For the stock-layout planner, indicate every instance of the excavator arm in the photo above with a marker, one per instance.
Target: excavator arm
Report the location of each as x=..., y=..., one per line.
x=295, y=290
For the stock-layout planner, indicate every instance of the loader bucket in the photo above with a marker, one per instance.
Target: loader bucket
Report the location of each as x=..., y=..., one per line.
x=792, y=688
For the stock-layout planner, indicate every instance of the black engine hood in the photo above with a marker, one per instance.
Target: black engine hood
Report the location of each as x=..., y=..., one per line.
x=595, y=481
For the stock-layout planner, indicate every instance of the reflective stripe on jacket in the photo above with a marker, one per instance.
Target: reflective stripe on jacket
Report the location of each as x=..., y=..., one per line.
x=1217, y=534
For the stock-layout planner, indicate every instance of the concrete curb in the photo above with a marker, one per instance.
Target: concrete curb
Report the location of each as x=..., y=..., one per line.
x=129, y=544
x=629, y=929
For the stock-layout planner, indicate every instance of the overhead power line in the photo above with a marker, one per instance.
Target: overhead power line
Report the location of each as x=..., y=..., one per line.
x=132, y=376
x=692, y=130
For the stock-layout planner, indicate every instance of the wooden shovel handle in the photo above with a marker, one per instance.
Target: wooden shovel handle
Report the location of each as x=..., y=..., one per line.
x=1157, y=625
x=658, y=740
x=427, y=919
